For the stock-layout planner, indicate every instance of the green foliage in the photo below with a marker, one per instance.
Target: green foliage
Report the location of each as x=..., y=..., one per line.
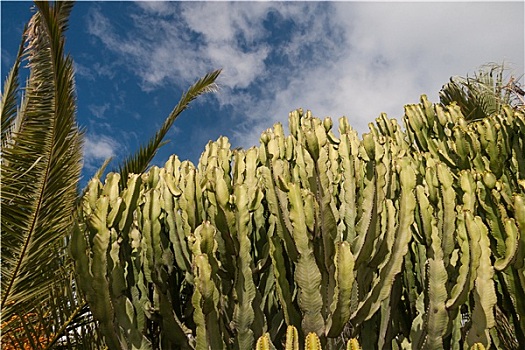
x=138, y=162
x=41, y=163
x=42, y=306
x=394, y=239
x=400, y=239
x=484, y=94
x=470, y=199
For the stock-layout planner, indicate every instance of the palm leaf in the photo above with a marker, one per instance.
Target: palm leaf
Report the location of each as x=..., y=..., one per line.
x=139, y=161
x=40, y=170
x=76, y=327
x=41, y=162
x=482, y=95
x=8, y=101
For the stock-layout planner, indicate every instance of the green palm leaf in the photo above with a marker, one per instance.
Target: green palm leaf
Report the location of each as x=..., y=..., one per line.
x=41, y=166
x=8, y=102
x=482, y=95
x=41, y=162
x=139, y=161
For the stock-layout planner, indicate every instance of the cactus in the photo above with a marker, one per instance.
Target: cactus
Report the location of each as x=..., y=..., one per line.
x=485, y=189
x=265, y=343
x=393, y=239
x=312, y=342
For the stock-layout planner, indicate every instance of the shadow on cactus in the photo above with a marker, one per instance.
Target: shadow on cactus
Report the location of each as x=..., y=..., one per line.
x=399, y=239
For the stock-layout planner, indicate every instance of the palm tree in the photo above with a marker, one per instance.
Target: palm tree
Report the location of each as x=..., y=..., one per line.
x=41, y=162
x=484, y=94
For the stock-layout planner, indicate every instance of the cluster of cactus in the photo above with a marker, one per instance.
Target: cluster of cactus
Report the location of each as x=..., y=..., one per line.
x=391, y=239
x=312, y=342
x=465, y=269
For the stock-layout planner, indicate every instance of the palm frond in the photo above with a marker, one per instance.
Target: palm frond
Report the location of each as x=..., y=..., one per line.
x=138, y=162
x=40, y=173
x=482, y=95
x=8, y=99
x=77, y=328
x=63, y=320
x=100, y=171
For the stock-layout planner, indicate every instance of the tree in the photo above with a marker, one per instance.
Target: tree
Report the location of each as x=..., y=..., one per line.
x=484, y=94
x=41, y=163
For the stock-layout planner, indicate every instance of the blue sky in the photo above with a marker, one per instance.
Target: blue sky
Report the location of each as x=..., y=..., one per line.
x=358, y=59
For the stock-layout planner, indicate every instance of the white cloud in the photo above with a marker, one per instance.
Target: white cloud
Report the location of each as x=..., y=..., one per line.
x=84, y=71
x=99, y=110
x=342, y=58
x=223, y=22
x=156, y=7
x=98, y=148
x=394, y=52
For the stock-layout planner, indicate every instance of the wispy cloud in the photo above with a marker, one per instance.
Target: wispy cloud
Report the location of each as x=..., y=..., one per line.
x=343, y=58
x=83, y=71
x=99, y=110
x=98, y=148
x=7, y=57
